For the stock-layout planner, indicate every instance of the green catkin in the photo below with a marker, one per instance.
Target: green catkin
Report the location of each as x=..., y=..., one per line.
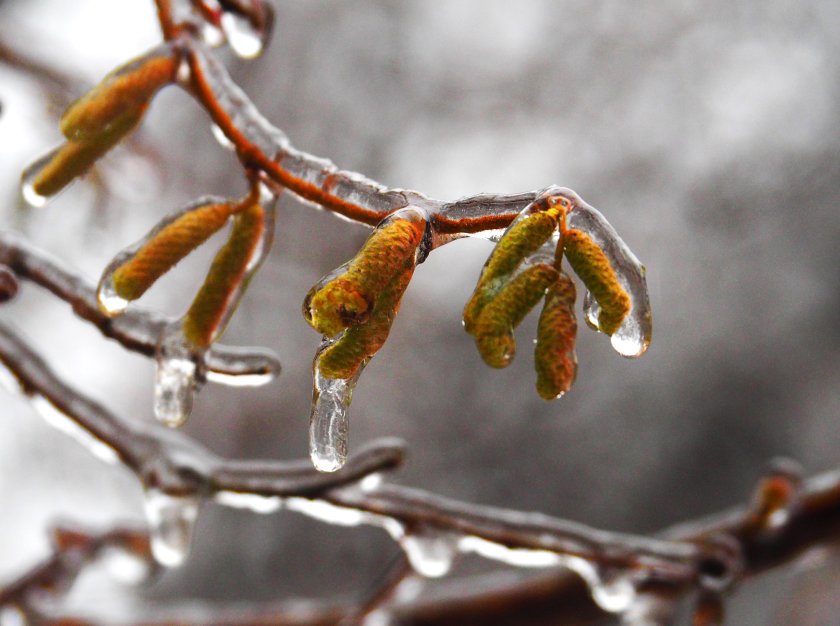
x=75, y=157
x=494, y=327
x=594, y=268
x=520, y=241
x=348, y=299
x=554, y=353
x=126, y=91
x=204, y=321
x=360, y=342
x=167, y=247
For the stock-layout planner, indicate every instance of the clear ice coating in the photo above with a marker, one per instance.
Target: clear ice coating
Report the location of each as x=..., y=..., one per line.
x=171, y=524
x=328, y=422
x=175, y=377
x=245, y=40
x=58, y=420
x=633, y=336
x=591, y=310
x=221, y=138
x=109, y=302
x=430, y=553
x=30, y=173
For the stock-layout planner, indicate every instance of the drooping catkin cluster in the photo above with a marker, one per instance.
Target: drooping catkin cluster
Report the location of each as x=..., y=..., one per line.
x=526, y=267
x=355, y=306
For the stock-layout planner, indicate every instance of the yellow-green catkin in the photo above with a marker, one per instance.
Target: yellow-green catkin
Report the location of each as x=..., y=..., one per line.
x=554, y=353
x=210, y=309
x=360, y=342
x=494, y=327
x=594, y=268
x=168, y=246
x=75, y=157
x=523, y=239
x=126, y=91
x=348, y=299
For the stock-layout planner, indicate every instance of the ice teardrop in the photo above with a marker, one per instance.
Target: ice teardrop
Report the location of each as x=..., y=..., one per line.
x=175, y=377
x=171, y=524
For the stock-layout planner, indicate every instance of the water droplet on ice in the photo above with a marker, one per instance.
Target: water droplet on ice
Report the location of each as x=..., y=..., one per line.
x=430, y=553
x=175, y=378
x=221, y=138
x=614, y=591
x=171, y=521
x=245, y=41
x=106, y=296
x=591, y=310
x=328, y=423
x=30, y=173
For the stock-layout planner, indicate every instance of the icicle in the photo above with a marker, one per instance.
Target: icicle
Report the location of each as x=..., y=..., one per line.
x=328, y=421
x=175, y=377
x=430, y=553
x=221, y=138
x=633, y=336
x=171, y=521
x=30, y=175
x=245, y=40
x=126, y=567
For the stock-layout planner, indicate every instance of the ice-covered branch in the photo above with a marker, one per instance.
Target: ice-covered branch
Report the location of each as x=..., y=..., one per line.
x=811, y=521
x=136, y=330
x=178, y=475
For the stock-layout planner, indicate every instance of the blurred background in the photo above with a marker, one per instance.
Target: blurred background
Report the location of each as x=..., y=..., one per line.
x=706, y=133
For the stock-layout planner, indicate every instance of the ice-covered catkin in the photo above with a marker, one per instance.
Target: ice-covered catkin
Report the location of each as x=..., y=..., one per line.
x=554, y=354
x=349, y=298
x=166, y=246
x=124, y=92
x=50, y=174
x=359, y=343
x=594, y=268
x=494, y=327
x=522, y=239
x=205, y=319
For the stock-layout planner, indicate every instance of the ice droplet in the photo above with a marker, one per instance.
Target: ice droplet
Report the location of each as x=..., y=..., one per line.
x=221, y=138
x=30, y=173
x=613, y=591
x=430, y=553
x=171, y=521
x=125, y=567
x=634, y=335
x=245, y=40
x=591, y=311
x=109, y=302
x=328, y=422
x=175, y=377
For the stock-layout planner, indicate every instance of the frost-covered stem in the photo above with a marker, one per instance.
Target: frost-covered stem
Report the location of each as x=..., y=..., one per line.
x=136, y=330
